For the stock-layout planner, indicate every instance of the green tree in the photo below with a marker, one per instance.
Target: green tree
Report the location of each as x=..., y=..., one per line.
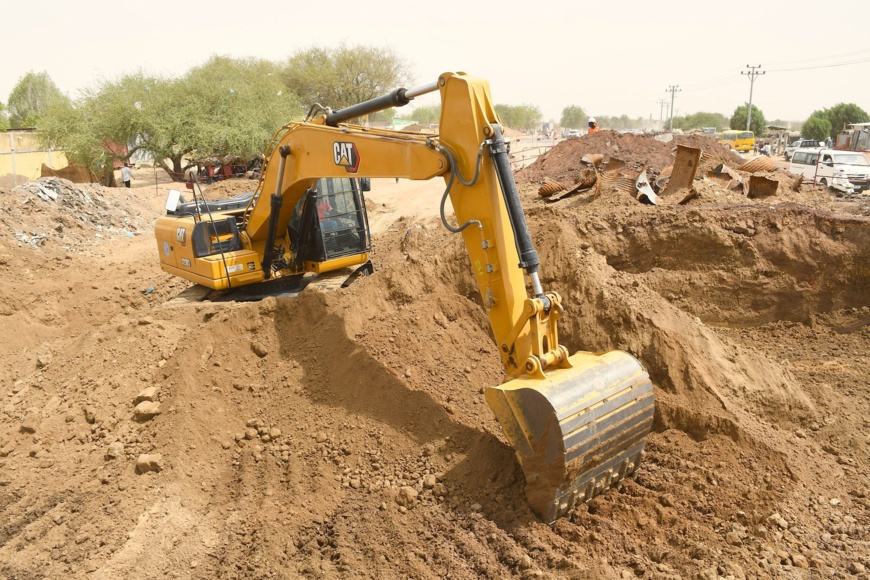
x=223, y=107
x=427, y=114
x=95, y=128
x=31, y=98
x=345, y=75
x=573, y=117
x=525, y=117
x=816, y=128
x=841, y=115
x=757, y=125
x=4, y=118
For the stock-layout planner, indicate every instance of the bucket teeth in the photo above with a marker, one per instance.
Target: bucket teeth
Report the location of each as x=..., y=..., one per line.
x=579, y=431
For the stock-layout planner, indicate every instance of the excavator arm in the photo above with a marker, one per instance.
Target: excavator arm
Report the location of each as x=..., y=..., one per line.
x=577, y=423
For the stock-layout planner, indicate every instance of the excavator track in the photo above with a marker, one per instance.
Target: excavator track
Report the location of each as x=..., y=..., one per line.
x=579, y=431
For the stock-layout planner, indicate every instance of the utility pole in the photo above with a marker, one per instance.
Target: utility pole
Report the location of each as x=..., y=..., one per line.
x=672, y=89
x=752, y=73
x=662, y=104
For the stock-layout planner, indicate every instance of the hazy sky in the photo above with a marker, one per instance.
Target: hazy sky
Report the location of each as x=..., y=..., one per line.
x=608, y=57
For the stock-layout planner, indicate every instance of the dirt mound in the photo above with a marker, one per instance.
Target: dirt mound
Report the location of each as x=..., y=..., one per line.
x=563, y=162
x=345, y=434
x=73, y=173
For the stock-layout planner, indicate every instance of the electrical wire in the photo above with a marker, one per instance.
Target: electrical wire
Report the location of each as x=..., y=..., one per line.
x=853, y=53
x=832, y=65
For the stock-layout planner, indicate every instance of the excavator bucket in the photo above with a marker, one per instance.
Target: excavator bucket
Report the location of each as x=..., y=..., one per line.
x=578, y=431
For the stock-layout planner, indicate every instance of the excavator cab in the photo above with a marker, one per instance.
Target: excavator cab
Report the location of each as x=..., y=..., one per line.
x=330, y=225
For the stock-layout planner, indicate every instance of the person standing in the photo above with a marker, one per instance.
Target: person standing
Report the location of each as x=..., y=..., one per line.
x=126, y=175
x=593, y=126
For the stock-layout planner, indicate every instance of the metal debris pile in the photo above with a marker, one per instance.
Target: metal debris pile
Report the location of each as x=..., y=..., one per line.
x=62, y=191
x=56, y=208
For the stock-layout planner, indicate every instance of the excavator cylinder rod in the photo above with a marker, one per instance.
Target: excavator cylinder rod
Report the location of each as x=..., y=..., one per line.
x=397, y=98
x=579, y=431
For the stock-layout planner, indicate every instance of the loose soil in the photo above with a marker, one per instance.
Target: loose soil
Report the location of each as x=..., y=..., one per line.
x=344, y=434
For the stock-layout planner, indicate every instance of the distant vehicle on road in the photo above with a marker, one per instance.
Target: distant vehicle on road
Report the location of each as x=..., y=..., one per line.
x=572, y=133
x=846, y=171
x=738, y=140
x=801, y=144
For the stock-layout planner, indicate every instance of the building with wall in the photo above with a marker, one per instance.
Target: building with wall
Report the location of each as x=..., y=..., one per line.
x=22, y=157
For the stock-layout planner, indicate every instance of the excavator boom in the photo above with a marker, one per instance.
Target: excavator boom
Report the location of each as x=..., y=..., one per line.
x=576, y=422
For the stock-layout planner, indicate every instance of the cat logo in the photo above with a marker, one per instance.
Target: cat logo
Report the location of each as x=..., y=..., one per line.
x=346, y=155
x=180, y=235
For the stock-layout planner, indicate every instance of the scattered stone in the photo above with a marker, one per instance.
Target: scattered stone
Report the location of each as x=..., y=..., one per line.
x=429, y=481
x=355, y=483
x=250, y=433
x=407, y=497
x=801, y=434
x=428, y=450
x=733, y=539
x=259, y=348
x=800, y=561
x=146, y=410
x=27, y=426
x=856, y=568
x=149, y=462
x=115, y=450
x=476, y=507
x=149, y=394
x=320, y=437
x=274, y=433
x=439, y=490
x=525, y=562
x=43, y=357
x=779, y=521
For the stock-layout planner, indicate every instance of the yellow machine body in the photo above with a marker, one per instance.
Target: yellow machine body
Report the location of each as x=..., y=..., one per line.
x=577, y=423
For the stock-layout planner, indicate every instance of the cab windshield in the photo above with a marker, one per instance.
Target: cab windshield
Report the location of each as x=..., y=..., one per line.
x=851, y=159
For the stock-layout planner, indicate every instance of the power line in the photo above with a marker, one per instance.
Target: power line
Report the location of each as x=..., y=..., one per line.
x=662, y=103
x=731, y=80
x=853, y=53
x=822, y=66
x=691, y=86
x=752, y=74
x=672, y=89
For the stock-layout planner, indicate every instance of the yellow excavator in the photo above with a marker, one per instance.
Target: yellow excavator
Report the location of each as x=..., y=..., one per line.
x=576, y=422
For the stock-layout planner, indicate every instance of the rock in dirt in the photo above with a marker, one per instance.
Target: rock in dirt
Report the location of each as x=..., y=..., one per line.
x=259, y=348
x=115, y=450
x=43, y=357
x=429, y=481
x=27, y=426
x=857, y=568
x=149, y=394
x=146, y=410
x=800, y=561
x=407, y=497
x=149, y=462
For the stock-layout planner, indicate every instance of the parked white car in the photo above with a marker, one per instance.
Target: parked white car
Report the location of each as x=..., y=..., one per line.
x=846, y=171
x=801, y=144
